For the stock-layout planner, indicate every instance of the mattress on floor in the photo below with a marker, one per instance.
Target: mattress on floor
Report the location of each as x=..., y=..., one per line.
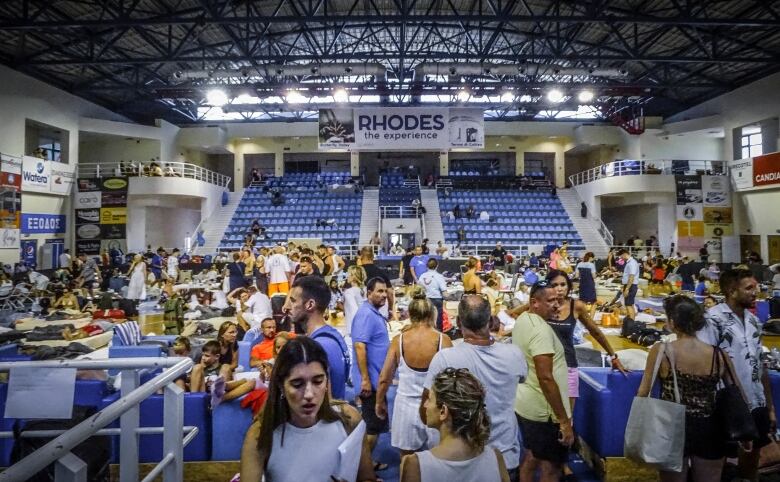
x=94, y=342
x=28, y=324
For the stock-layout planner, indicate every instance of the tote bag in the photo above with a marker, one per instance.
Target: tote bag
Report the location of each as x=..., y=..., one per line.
x=655, y=433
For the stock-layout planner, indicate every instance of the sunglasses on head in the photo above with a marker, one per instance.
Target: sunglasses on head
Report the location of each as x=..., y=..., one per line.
x=540, y=285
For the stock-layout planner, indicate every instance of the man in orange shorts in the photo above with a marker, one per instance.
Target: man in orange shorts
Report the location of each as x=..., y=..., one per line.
x=279, y=272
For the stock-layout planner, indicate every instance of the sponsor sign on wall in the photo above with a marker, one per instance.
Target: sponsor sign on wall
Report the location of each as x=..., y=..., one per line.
x=766, y=170
x=88, y=247
x=10, y=191
x=63, y=177
x=113, y=216
x=87, y=216
x=87, y=200
x=101, y=217
x=11, y=164
x=432, y=128
x=36, y=175
x=9, y=238
x=35, y=223
x=704, y=213
x=29, y=251
x=741, y=173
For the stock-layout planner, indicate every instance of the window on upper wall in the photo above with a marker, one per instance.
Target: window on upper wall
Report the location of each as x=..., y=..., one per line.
x=52, y=148
x=752, y=141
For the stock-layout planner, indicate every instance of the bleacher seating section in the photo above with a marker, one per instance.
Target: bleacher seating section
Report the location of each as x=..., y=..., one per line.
x=393, y=193
x=516, y=218
x=306, y=201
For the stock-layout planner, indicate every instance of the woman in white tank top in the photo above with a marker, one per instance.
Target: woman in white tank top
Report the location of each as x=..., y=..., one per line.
x=411, y=353
x=297, y=435
x=456, y=408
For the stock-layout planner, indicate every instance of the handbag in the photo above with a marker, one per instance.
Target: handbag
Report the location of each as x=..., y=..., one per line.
x=732, y=413
x=655, y=432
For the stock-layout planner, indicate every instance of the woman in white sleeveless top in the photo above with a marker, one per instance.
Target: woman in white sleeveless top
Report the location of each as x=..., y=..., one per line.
x=456, y=408
x=297, y=434
x=411, y=353
x=355, y=295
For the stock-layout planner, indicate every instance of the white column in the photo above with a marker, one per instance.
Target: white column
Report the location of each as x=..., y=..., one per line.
x=444, y=163
x=354, y=163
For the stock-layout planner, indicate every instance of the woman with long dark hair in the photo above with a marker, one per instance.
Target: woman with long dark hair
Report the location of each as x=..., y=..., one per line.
x=297, y=434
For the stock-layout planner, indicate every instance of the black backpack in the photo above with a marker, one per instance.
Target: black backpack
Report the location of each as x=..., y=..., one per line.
x=95, y=451
x=128, y=306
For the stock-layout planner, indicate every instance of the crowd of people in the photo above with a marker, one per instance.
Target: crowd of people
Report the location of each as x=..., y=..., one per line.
x=490, y=391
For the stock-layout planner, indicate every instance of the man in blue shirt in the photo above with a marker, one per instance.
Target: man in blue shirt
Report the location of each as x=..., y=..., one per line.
x=157, y=262
x=371, y=342
x=419, y=264
x=435, y=285
x=630, y=282
x=306, y=304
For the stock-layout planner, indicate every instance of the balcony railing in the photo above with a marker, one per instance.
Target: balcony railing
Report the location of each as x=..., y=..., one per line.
x=637, y=167
x=165, y=169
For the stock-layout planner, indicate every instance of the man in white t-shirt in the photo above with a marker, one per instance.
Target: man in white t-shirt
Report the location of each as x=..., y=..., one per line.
x=65, y=260
x=172, y=266
x=499, y=366
x=279, y=272
x=259, y=304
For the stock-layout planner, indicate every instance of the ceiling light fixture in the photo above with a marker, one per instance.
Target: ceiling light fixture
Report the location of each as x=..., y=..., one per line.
x=295, y=97
x=340, y=95
x=555, y=96
x=217, y=97
x=507, y=97
x=585, y=96
x=463, y=95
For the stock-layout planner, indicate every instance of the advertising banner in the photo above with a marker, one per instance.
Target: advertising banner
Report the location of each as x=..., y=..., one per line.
x=467, y=127
x=8, y=179
x=422, y=128
x=11, y=164
x=718, y=215
x=36, y=175
x=741, y=173
x=113, y=199
x=87, y=200
x=87, y=216
x=113, y=216
x=63, y=177
x=716, y=191
x=688, y=189
x=766, y=170
x=690, y=228
x=690, y=212
x=712, y=231
x=88, y=231
x=34, y=223
x=9, y=238
x=89, y=248
x=115, y=184
x=88, y=184
x=113, y=231
x=29, y=251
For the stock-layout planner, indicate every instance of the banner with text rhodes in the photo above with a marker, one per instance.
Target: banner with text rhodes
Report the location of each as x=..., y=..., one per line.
x=401, y=128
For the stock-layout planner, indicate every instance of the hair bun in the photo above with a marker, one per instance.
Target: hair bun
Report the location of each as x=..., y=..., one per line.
x=419, y=296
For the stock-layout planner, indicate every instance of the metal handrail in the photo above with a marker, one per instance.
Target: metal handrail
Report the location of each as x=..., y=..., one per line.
x=650, y=167
x=399, y=212
x=167, y=169
x=126, y=408
x=602, y=228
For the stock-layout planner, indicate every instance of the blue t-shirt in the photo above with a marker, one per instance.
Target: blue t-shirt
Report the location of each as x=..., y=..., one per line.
x=334, y=345
x=370, y=327
x=530, y=277
x=419, y=264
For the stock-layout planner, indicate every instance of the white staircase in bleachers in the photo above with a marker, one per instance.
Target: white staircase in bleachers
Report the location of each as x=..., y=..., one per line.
x=587, y=228
x=434, y=230
x=369, y=217
x=214, y=227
